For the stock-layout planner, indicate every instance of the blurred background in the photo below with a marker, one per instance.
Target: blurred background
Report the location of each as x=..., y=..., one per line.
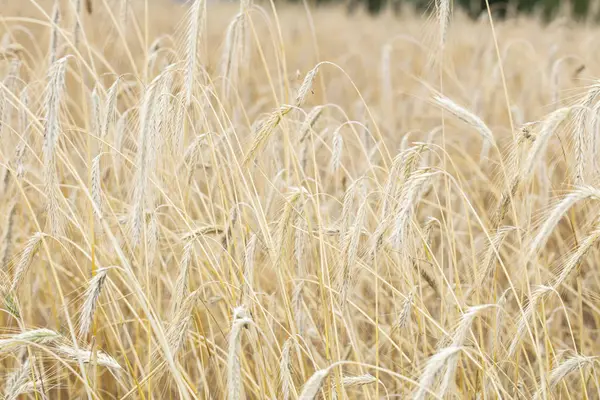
x=547, y=9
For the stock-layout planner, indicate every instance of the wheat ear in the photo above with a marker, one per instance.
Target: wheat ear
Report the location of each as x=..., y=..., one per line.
x=432, y=368
x=143, y=164
x=196, y=21
x=350, y=250
x=313, y=385
x=536, y=296
x=443, y=11
x=287, y=384
x=579, y=194
x=7, y=237
x=571, y=365
x=471, y=119
x=92, y=294
x=265, y=128
x=85, y=356
x=54, y=33
x=181, y=285
x=37, y=336
x=25, y=258
x=52, y=132
x=234, y=367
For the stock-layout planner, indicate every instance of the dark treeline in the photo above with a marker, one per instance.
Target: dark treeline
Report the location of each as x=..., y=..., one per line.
x=500, y=8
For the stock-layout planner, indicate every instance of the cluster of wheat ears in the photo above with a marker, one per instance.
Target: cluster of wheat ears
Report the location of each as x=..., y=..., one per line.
x=249, y=201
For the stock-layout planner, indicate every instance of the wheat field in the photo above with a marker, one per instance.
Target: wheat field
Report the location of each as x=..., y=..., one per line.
x=274, y=201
